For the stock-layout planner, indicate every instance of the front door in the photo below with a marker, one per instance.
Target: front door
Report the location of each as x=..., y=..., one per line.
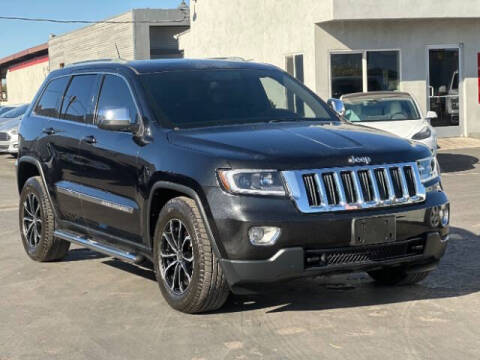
x=444, y=90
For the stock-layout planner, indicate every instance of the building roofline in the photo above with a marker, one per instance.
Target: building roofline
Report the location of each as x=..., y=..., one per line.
x=21, y=54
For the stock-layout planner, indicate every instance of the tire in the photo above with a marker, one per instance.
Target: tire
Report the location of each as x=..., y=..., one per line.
x=39, y=243
x=199, y=284
x=397, y=276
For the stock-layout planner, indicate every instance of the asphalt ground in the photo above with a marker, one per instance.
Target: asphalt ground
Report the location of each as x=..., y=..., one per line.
x=94, y=307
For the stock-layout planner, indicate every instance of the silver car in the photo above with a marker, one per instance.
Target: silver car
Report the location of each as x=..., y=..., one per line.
x=9, y=123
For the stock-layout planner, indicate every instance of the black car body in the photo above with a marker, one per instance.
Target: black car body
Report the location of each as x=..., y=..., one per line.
x=354, y=198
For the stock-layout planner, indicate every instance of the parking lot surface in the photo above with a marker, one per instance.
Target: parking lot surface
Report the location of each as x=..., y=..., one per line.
x=94, y=307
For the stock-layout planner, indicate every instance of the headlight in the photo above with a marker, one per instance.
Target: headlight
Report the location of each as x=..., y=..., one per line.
x=254, y=182
x=13, y=131
x=425, y=133
x=428, y=169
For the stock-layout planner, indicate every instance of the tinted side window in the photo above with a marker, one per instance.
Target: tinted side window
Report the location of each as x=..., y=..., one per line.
x=115, y=94
x=51, y=99
x=77, y=105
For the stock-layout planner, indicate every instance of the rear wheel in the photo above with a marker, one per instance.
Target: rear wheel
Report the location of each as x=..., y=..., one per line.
x=187, y=270
x=37, y=224
x=397, y=276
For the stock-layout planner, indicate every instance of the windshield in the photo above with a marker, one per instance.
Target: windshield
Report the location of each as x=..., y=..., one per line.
x=388, y=109
x=3, y=110
x=18, y=111
x=200, y=98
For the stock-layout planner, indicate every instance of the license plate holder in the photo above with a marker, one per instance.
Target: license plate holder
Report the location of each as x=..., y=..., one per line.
x=374, y=230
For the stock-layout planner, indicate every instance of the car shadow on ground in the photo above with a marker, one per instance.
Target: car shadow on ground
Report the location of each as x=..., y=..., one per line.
x=457, y=275
x=450, y=163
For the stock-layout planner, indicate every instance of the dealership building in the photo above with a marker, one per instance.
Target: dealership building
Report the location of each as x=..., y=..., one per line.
x=428, y=48
x=135, y=35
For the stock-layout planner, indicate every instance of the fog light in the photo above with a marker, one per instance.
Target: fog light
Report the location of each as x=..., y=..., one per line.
x=263, y=235
x=445, y=215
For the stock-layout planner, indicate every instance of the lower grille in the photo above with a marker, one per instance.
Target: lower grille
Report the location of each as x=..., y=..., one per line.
x=4, y=136
x=4, y=147
x=363, y=254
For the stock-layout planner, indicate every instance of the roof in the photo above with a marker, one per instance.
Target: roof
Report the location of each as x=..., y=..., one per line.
x=161, y=65
x=39, y=49
x=375, y=95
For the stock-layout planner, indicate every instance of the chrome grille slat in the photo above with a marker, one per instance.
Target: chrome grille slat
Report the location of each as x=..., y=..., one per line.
x=341, y=189
x=354, y=188
x=403, y=180
x=376, y=193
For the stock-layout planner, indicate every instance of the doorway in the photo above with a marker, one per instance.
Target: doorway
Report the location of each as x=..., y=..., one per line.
x=444, y=89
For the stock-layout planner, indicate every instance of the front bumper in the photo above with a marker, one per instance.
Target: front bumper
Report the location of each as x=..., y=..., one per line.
x=296, y=262
x=305, y=236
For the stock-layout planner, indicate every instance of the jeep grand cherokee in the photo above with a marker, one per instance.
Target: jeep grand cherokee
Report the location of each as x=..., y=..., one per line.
x=225, y=175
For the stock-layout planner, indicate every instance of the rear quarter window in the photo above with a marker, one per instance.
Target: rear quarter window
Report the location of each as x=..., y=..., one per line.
x=51, y=99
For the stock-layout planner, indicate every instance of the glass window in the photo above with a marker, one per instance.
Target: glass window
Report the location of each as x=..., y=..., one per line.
x=77, y=105
x=49, y=103
x=380, y=109
x=115, y=94
x=294, y=65
x=204, y=98
x=347, y=75
x=383, y=70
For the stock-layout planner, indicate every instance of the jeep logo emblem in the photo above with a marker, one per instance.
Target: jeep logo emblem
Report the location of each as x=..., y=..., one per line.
x=359, y=160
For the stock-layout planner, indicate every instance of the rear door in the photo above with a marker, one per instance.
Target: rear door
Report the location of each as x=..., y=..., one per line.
x=66, y=131
x=110, y=206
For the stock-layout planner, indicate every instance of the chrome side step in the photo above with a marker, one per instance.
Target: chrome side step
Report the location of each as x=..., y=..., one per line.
x=96, y=246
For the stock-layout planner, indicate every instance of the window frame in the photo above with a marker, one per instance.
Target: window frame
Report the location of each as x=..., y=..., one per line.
x=101, y=75
x=101, y=81
x=42, y=93
x=364, y=53
x=94, y=93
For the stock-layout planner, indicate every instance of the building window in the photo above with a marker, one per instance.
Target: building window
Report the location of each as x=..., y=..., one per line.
x=364, y=71
x=3, y=88
x=346, y=74
x=294, y=65
x=383, y=70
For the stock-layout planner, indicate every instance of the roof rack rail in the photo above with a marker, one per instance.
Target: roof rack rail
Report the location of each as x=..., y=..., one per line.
x=229, y=58
x=96, y=61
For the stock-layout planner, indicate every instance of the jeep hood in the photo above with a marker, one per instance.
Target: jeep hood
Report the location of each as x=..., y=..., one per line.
x=297, y=145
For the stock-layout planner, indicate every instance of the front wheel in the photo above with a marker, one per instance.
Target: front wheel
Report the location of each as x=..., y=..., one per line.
x=188, y=272
x=397, y=276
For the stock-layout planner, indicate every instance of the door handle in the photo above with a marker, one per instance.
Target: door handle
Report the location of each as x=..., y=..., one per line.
x=49, y=131
x=90, y=139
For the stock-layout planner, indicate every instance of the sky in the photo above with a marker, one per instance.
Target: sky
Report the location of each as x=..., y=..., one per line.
x=20, y=35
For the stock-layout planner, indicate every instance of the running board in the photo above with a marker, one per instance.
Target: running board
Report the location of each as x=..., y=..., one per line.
x=96, y=246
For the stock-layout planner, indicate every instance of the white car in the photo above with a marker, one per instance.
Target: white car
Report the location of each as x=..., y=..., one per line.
x=9, y=123
x=392, y=111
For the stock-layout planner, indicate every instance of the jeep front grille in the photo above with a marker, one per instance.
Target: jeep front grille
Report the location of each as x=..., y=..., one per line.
x=4, y=136
x=353, y=188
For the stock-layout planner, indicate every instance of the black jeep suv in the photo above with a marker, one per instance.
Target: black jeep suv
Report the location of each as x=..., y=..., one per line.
x=225, y=175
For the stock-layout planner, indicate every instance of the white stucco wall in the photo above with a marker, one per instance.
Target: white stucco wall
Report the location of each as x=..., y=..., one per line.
x=24, y=83
x=411, y=37
x=258, y=30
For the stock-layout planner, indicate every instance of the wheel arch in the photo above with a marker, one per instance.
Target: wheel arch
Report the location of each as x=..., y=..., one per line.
x=168, y=191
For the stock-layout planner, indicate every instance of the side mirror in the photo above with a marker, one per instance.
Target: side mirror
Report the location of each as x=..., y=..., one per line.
x=115, y=119
x=337, y=105
x=431, y=115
